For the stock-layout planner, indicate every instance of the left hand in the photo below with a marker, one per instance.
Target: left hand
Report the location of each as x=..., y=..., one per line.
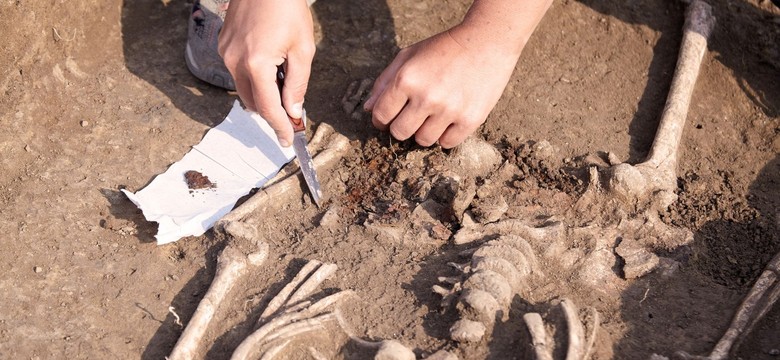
x=438, y=90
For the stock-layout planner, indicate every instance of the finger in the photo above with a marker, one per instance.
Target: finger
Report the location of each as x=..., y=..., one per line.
x=244, y=88
x=382, y=82
x=408, y=121
x=387, y=107
x=296, y=81
x=431, y=130
x=455, y=135
x=269, y=104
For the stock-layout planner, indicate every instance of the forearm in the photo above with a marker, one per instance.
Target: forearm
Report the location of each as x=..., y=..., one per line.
x=500, y=26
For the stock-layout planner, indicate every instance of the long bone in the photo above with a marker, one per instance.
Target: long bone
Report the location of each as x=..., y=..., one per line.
x=658, y=171
x=762, y=296
x=232, y=264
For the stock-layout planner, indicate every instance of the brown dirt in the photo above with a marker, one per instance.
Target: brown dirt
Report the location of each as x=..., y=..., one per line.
x=96, y=97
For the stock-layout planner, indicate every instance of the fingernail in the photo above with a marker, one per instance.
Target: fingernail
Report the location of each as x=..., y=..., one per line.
x=284, y=143
x=297, y=110
x=369, y=103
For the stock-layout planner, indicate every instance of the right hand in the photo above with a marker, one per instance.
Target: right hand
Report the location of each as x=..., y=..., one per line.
x=258, y=36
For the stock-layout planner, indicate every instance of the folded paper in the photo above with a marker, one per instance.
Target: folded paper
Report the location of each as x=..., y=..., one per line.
x=236, y=156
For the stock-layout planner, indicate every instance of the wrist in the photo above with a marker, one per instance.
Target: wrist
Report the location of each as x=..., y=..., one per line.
x=499, y=27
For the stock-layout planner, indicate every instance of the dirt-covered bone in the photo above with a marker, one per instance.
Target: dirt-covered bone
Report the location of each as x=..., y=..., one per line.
x=232, y=264
x=541, y=344
x=580, y=332
x=493, y=277
x=658, y=172
x=357, y=93
x=290, y=314
x=762, y=296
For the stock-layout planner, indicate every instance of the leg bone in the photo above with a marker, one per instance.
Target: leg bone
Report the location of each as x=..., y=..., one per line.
x=231, y=265
x=657, y=172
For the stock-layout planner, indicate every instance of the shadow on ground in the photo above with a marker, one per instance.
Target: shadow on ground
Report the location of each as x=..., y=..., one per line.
x=356, y=41
x=746, y=40
x=728, y=254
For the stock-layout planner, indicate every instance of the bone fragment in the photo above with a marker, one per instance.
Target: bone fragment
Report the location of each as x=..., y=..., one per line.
x=275, y=350
x=284, y=190
x=762, y=296
x=576, y=350
x=594, y=322
x=658, y=171
x=467, y=331
x=271, y=330
x=535, y=325
x=280, y=299
x=231, y=265
x=312, y=283
x=394, y=350
x=638, y=261
x=355, y=94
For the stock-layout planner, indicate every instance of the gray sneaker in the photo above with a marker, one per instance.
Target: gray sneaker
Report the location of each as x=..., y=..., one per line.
x=201, y=54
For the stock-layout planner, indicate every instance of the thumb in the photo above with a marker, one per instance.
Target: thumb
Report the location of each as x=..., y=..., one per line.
x=295, y=84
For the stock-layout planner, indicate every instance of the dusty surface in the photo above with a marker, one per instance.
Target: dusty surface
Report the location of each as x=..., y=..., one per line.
x=96, y=97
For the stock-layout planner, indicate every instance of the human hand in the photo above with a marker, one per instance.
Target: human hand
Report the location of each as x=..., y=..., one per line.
x=256, y=38
x=439, y=91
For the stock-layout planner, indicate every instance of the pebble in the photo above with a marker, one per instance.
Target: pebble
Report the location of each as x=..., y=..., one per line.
x=38, y=269
x=84, y=123
x=774, y=352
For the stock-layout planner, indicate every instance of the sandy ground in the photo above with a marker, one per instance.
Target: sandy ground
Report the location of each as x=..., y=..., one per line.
x=96, y=97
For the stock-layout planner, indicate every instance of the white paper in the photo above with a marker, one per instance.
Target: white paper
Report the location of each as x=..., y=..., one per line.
x=238, y=155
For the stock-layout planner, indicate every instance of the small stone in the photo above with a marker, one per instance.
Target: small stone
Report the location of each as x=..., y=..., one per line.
x=27, y=148
x=84, y=123
x=38, y=269
x=774, y=352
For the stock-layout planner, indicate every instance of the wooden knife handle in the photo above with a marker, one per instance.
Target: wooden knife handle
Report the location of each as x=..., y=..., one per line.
x=297, y=124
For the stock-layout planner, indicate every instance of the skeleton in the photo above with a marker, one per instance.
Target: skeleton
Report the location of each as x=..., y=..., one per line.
x=641, y=189
x=291, y=314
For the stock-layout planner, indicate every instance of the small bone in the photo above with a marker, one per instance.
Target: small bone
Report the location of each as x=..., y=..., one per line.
x=356, y=92
x=321, y=274
x=467, y=331
x=535, y=325
x=231, y=265
x=280, y=299
x=394, y=350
